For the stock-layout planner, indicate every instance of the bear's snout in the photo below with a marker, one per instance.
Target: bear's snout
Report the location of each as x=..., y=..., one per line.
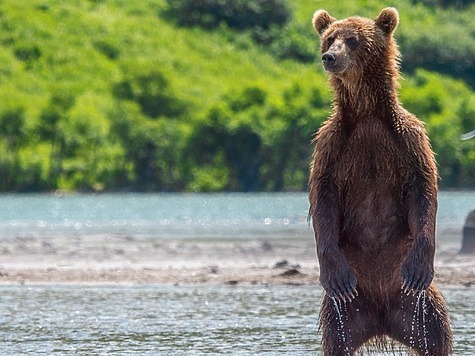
x=328, y=58
x=334, y=62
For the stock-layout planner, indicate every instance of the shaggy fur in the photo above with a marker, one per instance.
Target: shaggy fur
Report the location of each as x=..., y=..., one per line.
x=373, y=199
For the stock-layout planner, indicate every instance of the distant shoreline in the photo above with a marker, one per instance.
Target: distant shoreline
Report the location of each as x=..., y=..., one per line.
x=106, y=260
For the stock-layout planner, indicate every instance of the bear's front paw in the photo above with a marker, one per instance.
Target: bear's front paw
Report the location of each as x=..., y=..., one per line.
x=416, y=277
x=340, y=284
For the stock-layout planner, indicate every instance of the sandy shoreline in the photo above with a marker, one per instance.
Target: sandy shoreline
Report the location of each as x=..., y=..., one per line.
x=123, y=260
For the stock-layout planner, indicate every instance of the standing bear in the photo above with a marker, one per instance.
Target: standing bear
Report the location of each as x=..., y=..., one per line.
x=373, y=200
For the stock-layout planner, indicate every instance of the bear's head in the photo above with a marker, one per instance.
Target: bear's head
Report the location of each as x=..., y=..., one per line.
x=357, y=45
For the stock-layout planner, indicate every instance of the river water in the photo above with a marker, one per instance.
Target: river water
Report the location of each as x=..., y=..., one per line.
x=178, y=320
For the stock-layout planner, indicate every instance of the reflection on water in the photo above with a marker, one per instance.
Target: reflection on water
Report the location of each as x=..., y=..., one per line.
x=151, y=320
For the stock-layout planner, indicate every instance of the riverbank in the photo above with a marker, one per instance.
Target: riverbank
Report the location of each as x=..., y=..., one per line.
x=125, y=260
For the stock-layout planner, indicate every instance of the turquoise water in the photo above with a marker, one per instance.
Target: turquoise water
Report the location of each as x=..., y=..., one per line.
x=183, y=216
x=178, y=320
x=174, y=216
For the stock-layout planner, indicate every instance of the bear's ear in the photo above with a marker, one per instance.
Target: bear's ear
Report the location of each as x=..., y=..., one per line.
x=321, y=20
x=387, y=20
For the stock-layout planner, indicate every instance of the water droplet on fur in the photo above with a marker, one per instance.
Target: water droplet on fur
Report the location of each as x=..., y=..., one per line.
x=423, y=294
x=342, y=311
x=403, y=312
x=418, y=322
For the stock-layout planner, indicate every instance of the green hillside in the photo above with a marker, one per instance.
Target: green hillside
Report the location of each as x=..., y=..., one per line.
x=114, y=94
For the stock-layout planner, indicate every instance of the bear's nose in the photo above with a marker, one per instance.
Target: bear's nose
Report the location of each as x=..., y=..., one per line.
x=328, y=58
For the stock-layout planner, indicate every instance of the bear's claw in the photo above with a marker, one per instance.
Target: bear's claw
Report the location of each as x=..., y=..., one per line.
x=342, y=287
x=411, y=283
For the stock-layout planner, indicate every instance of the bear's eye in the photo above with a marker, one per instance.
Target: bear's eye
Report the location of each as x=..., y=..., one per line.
x=352, y=42
x=330, y=40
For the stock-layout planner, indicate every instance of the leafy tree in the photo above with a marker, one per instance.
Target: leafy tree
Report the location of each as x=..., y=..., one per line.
x=52, y=120
x=263, y=145
x=151, y=146
x=12, y=138
x=299, y=113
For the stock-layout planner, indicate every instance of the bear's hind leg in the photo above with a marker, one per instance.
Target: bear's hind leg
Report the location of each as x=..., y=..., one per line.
x=345, y=326
x=421, y=323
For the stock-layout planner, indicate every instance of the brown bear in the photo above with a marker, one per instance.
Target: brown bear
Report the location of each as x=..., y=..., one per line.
x=373, y=200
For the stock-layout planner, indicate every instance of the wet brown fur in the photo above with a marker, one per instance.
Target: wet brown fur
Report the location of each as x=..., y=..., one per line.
x=373, y=197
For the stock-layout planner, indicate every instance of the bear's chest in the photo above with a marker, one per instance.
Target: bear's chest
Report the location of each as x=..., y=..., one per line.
x=371, y=175
x=370, y=158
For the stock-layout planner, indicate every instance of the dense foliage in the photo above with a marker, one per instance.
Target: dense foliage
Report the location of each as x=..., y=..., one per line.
x=239, y=14
x=114, y=94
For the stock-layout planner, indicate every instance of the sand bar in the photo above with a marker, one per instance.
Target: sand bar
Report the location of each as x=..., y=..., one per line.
x=124, y=260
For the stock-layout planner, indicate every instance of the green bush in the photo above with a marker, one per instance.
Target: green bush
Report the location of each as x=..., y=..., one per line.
x=239, y=14
x=151, y=90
